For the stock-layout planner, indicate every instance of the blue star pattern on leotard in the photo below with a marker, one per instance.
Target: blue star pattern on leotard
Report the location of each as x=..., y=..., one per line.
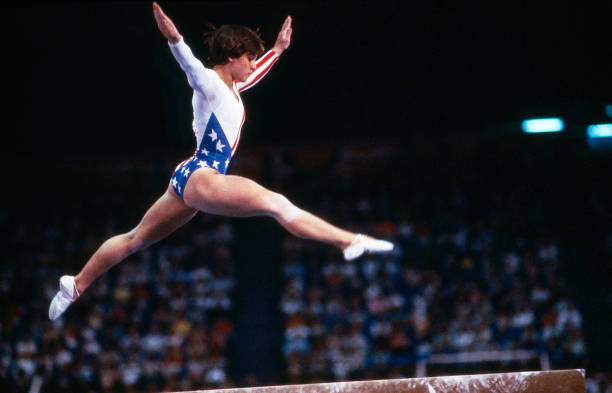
x=214, y=152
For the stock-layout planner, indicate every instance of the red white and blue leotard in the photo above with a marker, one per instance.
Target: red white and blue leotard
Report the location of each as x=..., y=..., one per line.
x=217, y=115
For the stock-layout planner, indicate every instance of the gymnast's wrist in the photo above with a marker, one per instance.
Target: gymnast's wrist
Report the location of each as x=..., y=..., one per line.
x=175, y=39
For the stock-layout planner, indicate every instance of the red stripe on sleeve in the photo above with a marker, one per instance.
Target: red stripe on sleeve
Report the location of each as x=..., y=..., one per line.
x=256, y=79
x=265, y=58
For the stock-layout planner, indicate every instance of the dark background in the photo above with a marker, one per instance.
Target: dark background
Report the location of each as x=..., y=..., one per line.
x=89, y=82
x=100, y=76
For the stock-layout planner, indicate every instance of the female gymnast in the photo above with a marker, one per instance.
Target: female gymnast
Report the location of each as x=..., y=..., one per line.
x=200, y=183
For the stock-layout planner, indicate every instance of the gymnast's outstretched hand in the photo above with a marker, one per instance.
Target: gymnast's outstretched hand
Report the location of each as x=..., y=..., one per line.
x=284, y=37
x=165, y=25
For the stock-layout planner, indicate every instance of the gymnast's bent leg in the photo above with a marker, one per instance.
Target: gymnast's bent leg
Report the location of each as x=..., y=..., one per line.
x=236, y=196
x=166, y=215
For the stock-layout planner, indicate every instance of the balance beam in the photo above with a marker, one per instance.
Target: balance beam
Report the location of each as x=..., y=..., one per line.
x=561, y=381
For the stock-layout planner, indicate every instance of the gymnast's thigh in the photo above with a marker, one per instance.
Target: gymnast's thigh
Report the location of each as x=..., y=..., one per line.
x=211, y=192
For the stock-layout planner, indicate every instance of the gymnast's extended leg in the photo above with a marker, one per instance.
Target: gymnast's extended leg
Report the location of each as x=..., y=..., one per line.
x=236, y=196
x=166, y=215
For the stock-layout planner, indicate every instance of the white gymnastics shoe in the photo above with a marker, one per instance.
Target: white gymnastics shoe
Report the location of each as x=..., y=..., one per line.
x=63, y=298
x=365, y=244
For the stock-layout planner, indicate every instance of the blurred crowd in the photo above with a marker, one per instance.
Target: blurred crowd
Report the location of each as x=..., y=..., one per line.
x=478, y=268
x=455, y=285
x=158, y=321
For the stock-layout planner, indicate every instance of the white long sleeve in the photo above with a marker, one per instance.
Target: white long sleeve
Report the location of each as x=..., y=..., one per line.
x=199, y=77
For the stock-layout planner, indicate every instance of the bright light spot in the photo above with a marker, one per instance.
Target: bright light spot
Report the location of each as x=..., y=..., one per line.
x=553, y=124
x=599, y=131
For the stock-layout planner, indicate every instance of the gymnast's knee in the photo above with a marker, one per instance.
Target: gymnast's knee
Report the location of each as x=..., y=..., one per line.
x=134, y=242
x=282, y=209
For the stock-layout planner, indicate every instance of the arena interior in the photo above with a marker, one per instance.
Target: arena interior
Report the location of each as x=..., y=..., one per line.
x=403, y=123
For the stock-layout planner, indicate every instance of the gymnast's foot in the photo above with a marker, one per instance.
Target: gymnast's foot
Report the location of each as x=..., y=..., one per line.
x=363, y=244
x=67, y=294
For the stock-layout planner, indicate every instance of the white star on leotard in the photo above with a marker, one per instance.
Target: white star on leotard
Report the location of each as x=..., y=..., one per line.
x=213, y=135
x=203, y=164
x=205, y=152
x=186, y=173
x=220, y=146
x=174, y=182
x=216, y=164
x=226, y=163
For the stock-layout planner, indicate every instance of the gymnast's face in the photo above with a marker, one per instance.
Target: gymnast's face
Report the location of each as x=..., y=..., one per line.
x=242, y=67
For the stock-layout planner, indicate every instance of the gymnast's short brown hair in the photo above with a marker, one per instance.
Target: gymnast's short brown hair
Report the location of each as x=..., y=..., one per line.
x=231, y=41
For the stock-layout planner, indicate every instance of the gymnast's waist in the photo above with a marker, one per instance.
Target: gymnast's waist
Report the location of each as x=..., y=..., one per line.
x=212, y=159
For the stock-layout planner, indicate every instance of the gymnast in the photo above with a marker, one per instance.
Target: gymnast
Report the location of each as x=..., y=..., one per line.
x=200, y=183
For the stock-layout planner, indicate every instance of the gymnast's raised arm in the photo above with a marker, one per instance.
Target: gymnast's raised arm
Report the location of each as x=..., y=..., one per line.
x=265, y=62
x=198, y=76
x=165, y=25
x=284, y=37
